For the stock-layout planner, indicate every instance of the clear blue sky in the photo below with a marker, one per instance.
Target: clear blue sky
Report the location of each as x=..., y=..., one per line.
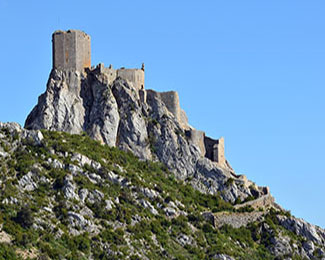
x=251, y=71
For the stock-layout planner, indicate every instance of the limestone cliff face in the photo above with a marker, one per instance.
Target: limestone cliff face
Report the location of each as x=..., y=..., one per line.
x=111, y=110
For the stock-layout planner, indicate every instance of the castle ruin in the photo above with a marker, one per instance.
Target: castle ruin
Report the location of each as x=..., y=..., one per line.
x=135, y=77
x=72, y=51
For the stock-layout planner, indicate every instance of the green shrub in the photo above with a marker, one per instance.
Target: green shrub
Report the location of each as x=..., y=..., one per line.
x=7, y=252
x=24, y=161
x=115, y=237
x=25, y=217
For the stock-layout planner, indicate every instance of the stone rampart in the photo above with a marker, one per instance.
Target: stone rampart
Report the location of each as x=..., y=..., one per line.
x=215, y=150
x=171, y=100
x=109, y=72
x=197, y=138
x=261, y=202
x=135, y=77
x=237, y=220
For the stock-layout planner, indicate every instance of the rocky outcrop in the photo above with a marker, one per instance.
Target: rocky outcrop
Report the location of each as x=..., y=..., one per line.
x=61, y=107
x=145, y=122
x=300, y=227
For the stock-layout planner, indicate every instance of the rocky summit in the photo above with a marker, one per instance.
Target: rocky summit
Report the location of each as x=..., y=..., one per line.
x=112, y=112
x=106, y=169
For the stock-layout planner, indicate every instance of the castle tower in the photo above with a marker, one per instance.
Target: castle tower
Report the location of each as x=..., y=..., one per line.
x=219, y=151
x=71, y=50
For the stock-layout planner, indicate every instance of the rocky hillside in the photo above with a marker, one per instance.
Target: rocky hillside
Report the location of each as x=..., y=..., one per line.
x=145, y=185
x=67, y=196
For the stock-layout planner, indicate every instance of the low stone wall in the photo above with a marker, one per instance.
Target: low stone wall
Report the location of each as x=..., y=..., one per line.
x=235, y=220
x=261, y=202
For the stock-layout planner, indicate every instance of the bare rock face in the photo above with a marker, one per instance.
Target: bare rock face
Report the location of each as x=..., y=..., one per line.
x=61, y=107
x=168, y=140
x=112, y=111
x=74, y=103
x=301, y=227
x=132, y=132
x=102, y=116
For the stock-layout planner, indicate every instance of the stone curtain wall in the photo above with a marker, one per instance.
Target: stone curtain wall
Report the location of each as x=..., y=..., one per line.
x=197, y=138
x=209, y=143
x=215, y=150
x=133, y=76
x=171, y=100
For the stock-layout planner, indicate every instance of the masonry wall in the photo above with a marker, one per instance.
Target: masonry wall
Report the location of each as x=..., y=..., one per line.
x=83, y=51
x=71, y=50
x=209, y=143
x=215, y=150
x=171, y=100
x=110, y=73
x=197, y=138
x=133, y=76
x=219, y=151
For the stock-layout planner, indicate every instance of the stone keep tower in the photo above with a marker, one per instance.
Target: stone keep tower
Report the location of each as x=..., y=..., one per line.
x=71, y=50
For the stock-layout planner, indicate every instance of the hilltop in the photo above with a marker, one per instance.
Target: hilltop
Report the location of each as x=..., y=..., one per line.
x=107, y=169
